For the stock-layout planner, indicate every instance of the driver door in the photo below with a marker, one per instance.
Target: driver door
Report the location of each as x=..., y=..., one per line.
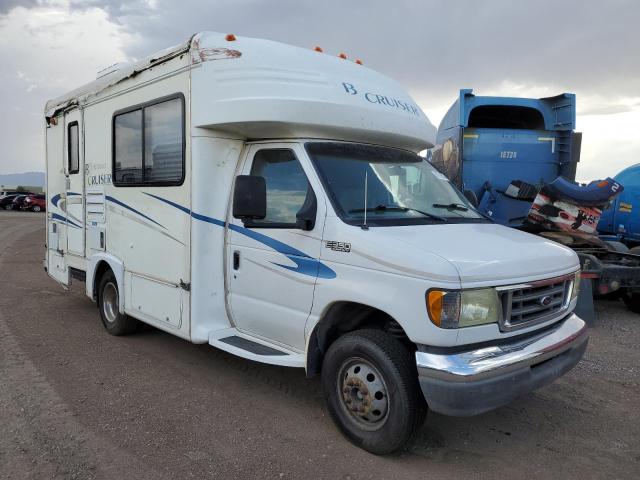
x=272, y=263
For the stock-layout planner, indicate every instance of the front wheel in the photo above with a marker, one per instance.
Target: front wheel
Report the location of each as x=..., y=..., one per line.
x=114, y=322
x=36, y=208
x=370, y=384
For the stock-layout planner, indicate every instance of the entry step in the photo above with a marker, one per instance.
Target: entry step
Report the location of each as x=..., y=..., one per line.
x=238, y=343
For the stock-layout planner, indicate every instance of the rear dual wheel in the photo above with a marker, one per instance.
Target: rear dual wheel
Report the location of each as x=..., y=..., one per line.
x=115, y=322
x=371, y=389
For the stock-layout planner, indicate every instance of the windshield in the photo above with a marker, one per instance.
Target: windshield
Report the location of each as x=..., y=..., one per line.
x=401, y=187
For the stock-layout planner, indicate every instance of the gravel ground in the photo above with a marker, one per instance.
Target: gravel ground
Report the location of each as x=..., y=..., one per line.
x=78, y=403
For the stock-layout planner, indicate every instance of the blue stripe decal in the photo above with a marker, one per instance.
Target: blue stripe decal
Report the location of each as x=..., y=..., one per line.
x=56, y=198
x=124, y=205
x=305, y=264
x=61, y=218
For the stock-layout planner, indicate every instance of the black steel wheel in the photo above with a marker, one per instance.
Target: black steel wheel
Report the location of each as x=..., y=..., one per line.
x=370, y=384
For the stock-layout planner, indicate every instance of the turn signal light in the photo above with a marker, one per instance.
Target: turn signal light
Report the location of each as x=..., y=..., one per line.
x=318, y=49
x=230, y=37
x=358, y=61
x=343, y=56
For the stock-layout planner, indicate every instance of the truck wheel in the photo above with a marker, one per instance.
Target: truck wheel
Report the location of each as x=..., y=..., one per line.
x=370, y=384
x=632, y=300
x=114, y=322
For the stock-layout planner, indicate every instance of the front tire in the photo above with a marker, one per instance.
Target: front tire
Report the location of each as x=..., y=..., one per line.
x=370, y=384
x=114, y=322
x=36, y=208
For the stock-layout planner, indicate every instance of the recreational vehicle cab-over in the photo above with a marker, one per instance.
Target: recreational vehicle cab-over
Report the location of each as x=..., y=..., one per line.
x=269, y=200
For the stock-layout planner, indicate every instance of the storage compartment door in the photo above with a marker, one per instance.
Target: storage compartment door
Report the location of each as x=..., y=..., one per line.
x=156, y=300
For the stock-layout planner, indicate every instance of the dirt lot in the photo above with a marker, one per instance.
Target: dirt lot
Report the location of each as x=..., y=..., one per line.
x=78, y=403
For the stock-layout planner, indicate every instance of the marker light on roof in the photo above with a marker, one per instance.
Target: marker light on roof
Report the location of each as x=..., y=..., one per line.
x=343, y=56
x=230, y=37
x=358, y=61
x=319, y=49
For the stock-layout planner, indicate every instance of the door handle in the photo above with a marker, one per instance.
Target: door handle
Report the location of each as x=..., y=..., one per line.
x=236, y=260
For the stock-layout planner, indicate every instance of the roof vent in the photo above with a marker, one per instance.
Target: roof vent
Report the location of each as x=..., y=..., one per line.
x=109, y=70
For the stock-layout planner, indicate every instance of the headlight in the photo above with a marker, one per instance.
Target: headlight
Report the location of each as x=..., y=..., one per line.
x=466, y=308
x=575, y=288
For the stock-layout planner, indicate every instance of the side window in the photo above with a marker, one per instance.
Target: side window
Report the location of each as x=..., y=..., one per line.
x=287, y=185
x=127, y=147
x=163, y=142
x=148, y=144
x=73, y=148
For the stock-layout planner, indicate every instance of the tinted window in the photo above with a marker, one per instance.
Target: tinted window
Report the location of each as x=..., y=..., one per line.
x=128, y=147
x=148, y=144
x=73, y=148
x=287, y=184
x=163, y=142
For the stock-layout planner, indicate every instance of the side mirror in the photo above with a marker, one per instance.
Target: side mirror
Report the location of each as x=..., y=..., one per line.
x=306, y=216
x=472, y=197
x=250, y=197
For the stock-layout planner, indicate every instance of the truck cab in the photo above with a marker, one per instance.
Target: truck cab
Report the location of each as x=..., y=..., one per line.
x=270, y=201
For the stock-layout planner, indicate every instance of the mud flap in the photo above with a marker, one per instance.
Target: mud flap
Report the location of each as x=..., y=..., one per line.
x=585, y=308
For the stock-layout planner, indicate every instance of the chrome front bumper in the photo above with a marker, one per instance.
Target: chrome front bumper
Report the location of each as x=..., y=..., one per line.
x=464, y=383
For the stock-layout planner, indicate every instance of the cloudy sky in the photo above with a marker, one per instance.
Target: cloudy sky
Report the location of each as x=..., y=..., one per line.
x=434, y=47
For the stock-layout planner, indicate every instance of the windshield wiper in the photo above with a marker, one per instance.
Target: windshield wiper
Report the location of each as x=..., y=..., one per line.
x=451, y=206
x=398, y=208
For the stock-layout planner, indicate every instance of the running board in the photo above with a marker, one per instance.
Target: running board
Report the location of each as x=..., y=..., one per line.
x=252, y=348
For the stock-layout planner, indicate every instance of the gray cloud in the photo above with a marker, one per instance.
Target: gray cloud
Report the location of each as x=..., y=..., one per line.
x=438, y=46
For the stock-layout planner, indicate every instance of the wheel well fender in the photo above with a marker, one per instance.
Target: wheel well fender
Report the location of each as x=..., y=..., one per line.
x=344, y=317
x=97, y=265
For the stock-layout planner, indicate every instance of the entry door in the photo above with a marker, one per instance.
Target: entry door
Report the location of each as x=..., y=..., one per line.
x=74, y=172
x=272, y=265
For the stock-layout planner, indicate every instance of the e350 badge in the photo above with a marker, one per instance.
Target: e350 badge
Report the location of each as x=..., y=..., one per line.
x=338, y=246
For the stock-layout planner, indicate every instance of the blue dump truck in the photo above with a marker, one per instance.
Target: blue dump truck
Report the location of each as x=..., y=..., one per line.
x=516, y=159
x=621, y=221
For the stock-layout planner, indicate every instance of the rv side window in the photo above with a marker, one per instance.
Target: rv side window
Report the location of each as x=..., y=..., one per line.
x=148, y=144
x=73, y=148
x=287, y=186
x=127, y=145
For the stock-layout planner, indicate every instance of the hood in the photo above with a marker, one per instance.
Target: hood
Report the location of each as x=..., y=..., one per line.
x=482, y=253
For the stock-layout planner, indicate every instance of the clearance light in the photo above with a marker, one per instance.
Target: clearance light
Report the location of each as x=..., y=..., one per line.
x=443, y=308
x=230, y=37
x=319, y=49
x=343, y=56
x=358, y=61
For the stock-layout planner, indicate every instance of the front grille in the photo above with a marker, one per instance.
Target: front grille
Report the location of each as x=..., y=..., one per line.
x=536, y=302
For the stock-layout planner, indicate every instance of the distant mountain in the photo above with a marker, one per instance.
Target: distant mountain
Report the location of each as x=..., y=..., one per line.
x=32, y=179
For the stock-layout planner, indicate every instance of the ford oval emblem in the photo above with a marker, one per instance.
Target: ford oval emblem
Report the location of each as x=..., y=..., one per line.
x=544, y=301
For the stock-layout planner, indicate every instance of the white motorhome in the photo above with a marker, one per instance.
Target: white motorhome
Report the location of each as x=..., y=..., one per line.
x=269, y=200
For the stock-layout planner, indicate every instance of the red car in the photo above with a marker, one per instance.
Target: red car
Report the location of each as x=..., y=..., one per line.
x=35, y=203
